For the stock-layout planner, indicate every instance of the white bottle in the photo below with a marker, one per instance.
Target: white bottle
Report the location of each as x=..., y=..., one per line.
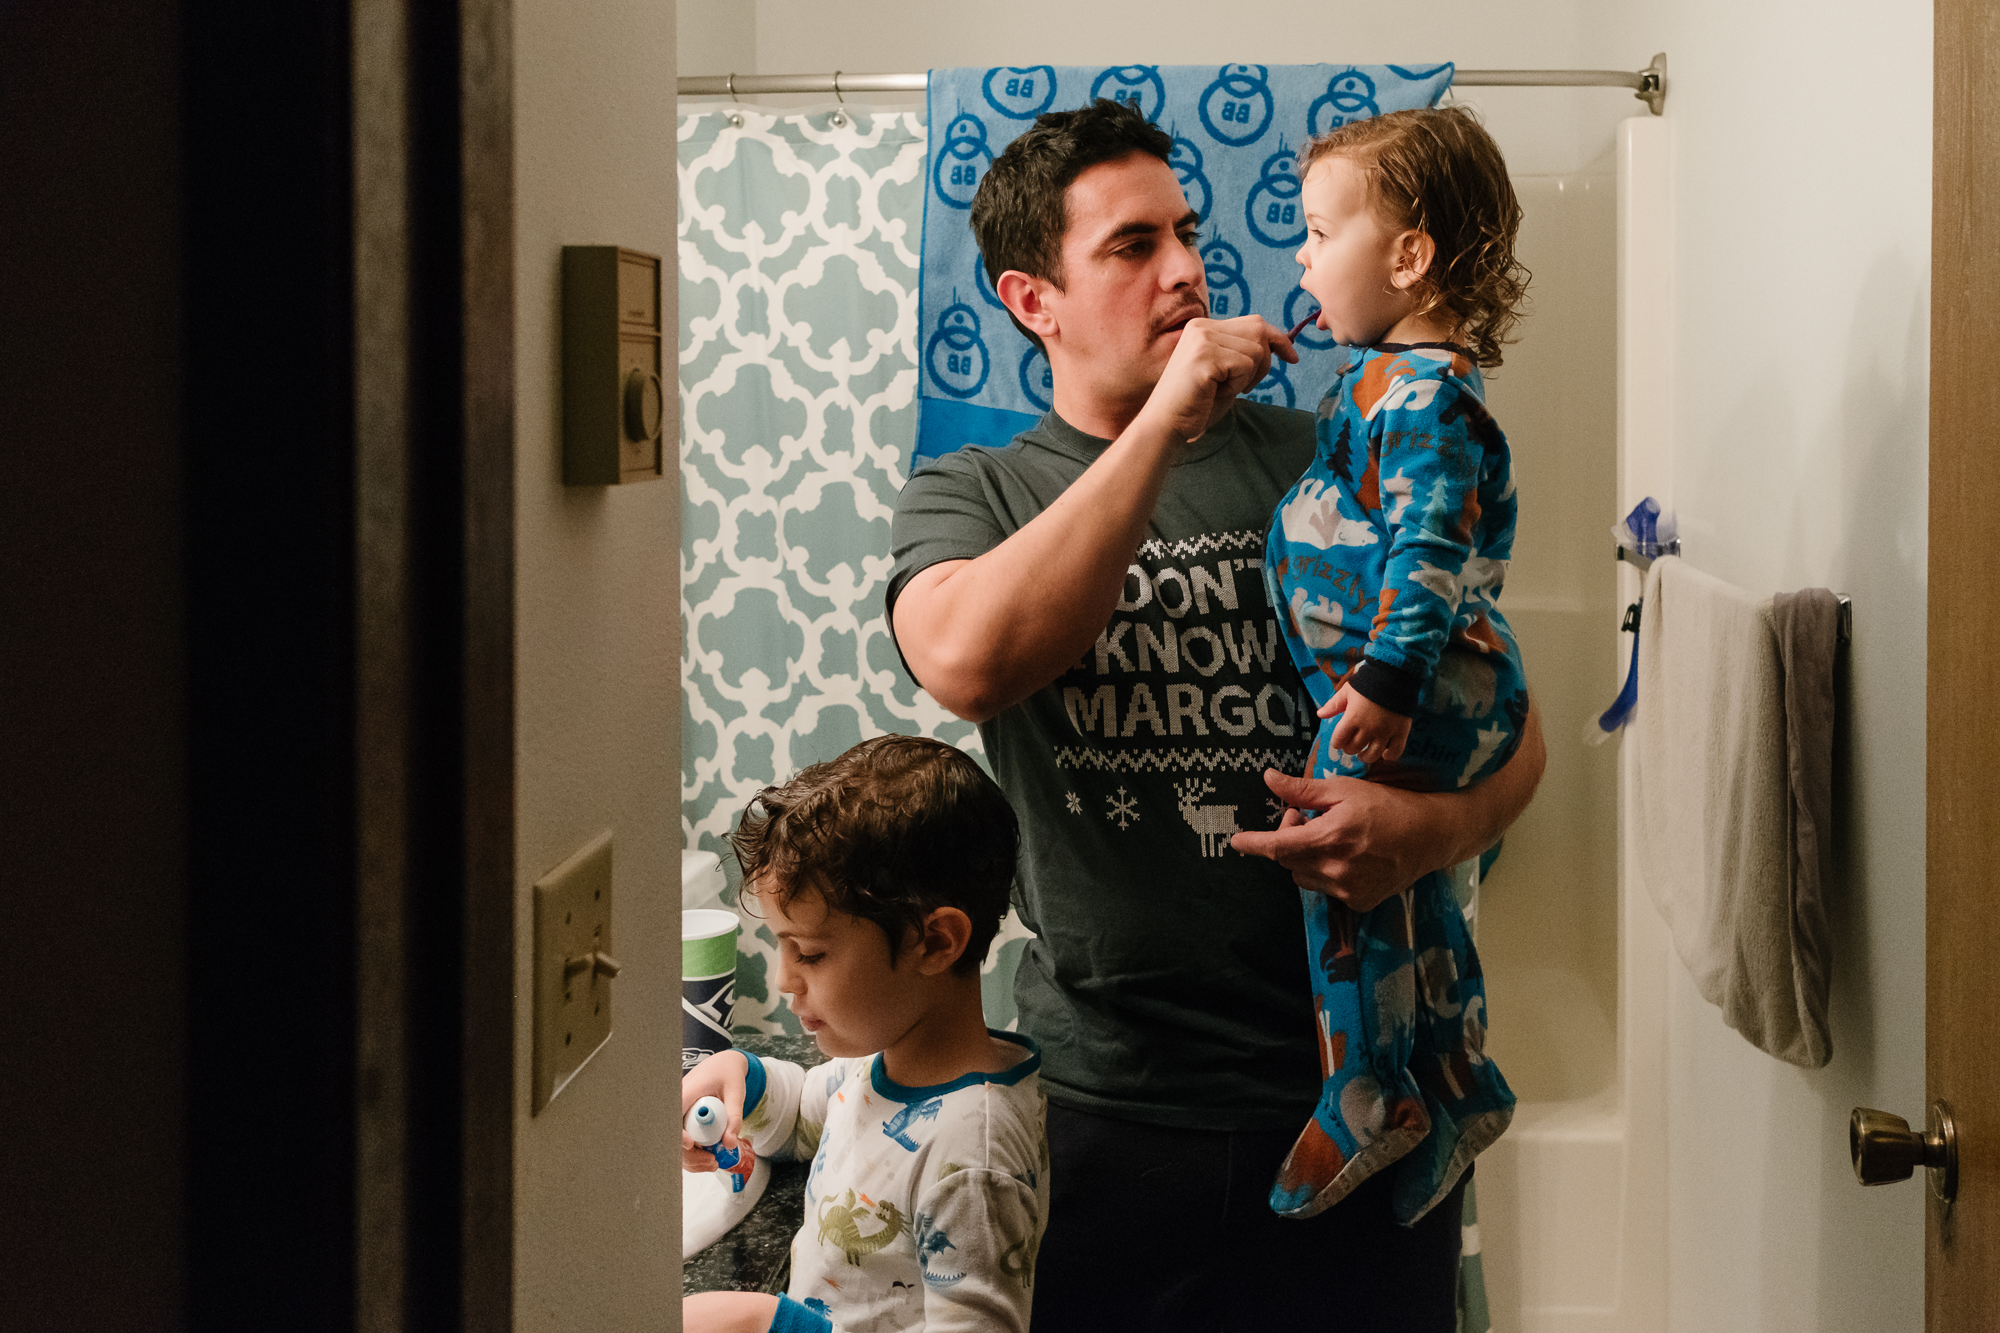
x=705, y=1124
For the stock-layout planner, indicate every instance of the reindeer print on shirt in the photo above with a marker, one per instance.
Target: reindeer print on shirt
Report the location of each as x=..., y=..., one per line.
x=1214, y=823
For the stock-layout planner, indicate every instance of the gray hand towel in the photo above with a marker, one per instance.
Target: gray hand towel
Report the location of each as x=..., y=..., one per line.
x=1808, y=628
x=1733, y=798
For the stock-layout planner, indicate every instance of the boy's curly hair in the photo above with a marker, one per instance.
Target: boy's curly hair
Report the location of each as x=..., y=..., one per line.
x=1439, y=172
x=891, y=830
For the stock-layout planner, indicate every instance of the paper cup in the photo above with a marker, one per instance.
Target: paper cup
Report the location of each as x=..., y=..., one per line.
x=708, y=983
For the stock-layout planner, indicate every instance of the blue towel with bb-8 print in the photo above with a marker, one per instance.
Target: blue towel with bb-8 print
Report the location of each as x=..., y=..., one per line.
x=1236, y=131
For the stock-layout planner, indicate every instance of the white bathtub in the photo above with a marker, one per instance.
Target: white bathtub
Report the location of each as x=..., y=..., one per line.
x=1572, y=1199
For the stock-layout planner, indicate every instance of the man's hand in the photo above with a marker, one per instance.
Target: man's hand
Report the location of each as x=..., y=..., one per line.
x=1371, y=841
x=1367, y=844
x=983, y=634
x=1215, y=361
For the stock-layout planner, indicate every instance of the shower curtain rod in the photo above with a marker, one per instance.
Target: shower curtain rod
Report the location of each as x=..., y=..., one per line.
x=1649, y=85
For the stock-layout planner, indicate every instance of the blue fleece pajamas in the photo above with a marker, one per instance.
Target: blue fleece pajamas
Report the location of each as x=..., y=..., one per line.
x=1388, y=558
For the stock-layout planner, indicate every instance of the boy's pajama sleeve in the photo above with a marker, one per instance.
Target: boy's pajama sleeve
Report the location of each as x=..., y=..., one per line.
x=977, y=1233
x=784, y=1120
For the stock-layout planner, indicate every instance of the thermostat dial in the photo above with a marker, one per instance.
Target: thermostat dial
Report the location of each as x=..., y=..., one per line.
x=644, y=405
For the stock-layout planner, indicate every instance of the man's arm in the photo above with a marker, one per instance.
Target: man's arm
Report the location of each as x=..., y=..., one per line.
x=1369, y=841
x=982, y=635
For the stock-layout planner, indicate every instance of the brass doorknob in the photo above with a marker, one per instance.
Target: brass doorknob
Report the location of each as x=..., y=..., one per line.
x=1886, y=1149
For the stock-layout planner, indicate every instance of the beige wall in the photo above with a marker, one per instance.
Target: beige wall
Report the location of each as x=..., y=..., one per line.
x=716, y=36
x=598, y=714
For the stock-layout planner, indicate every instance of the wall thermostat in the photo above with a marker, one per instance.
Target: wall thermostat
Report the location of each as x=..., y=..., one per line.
x=614, y=399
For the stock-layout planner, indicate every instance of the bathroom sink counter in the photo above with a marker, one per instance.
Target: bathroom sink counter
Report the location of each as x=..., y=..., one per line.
x=755, y=1255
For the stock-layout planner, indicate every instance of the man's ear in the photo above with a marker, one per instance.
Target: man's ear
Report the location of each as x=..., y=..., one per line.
x=1415, y=252
x=942, y=939
x=1028, y=298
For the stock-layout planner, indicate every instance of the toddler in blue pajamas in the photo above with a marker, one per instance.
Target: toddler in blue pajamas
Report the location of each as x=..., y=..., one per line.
x=1388, y=558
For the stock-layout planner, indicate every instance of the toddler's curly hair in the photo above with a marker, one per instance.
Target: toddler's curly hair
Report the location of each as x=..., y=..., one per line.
x=1439, y=172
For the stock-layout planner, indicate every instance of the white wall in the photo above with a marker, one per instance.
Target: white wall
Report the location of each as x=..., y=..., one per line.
x=1803, y=138
x=597, y=705
x=1542, y=130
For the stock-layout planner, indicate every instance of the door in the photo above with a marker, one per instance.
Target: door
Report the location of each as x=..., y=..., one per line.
x=1962, y=929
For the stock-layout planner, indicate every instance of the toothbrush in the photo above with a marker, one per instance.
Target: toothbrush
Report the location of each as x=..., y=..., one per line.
x=1300, y=327
x=704, y=1125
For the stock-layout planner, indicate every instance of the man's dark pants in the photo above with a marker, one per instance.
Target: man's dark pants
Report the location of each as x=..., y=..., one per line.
x=1154, y=1229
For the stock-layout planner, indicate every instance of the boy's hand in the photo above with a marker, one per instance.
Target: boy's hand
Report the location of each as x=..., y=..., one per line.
x=728, y=1312
x=723, y=1076
x=1367, y=730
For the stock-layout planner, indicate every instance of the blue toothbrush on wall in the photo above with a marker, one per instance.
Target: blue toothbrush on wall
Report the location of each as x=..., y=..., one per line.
x=1644, y=535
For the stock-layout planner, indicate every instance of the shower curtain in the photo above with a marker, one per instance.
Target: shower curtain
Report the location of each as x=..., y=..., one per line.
x=798, y=238
x=798, y=252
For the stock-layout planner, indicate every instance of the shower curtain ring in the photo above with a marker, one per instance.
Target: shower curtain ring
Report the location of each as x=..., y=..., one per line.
x=839, y=118
x=735, y=117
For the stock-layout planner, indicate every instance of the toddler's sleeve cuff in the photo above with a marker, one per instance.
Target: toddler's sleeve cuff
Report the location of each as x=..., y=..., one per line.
x=1385, y=686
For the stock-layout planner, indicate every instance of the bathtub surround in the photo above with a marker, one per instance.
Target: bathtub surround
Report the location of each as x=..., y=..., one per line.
x=1720, y=840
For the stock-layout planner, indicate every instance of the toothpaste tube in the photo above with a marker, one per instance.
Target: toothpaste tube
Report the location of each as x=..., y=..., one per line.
x=704, y=1125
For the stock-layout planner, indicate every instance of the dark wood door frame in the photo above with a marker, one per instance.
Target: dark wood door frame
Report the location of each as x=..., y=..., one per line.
x=1962, y=813
x=349, y=413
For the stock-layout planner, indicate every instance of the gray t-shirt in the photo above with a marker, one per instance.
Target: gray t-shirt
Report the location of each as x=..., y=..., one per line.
x=1167, y=983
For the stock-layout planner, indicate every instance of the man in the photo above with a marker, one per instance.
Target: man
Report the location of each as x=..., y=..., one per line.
x=1092, y=596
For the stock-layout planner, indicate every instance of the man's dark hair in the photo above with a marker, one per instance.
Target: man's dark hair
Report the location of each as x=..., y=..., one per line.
x=890, y=831
x=1018, y=217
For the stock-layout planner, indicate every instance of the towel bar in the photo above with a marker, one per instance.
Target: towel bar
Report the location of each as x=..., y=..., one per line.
x=1645, y=562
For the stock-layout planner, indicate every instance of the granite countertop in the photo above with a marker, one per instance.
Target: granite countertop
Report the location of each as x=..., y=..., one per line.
x=756, y=1253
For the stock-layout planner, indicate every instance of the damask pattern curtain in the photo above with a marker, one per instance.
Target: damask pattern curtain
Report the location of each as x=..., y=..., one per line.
x=798, y=255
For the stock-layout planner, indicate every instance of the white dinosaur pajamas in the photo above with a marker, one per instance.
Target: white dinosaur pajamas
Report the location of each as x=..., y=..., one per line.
x=924, y=1206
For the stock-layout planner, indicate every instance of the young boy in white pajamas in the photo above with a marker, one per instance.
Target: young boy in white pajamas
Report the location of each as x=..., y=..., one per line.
x=884, y=874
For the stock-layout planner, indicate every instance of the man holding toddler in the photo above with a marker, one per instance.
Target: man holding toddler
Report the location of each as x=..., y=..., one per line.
x=1091, y=595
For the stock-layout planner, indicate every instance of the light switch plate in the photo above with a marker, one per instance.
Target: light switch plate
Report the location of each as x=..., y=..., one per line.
x=572, y=1005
